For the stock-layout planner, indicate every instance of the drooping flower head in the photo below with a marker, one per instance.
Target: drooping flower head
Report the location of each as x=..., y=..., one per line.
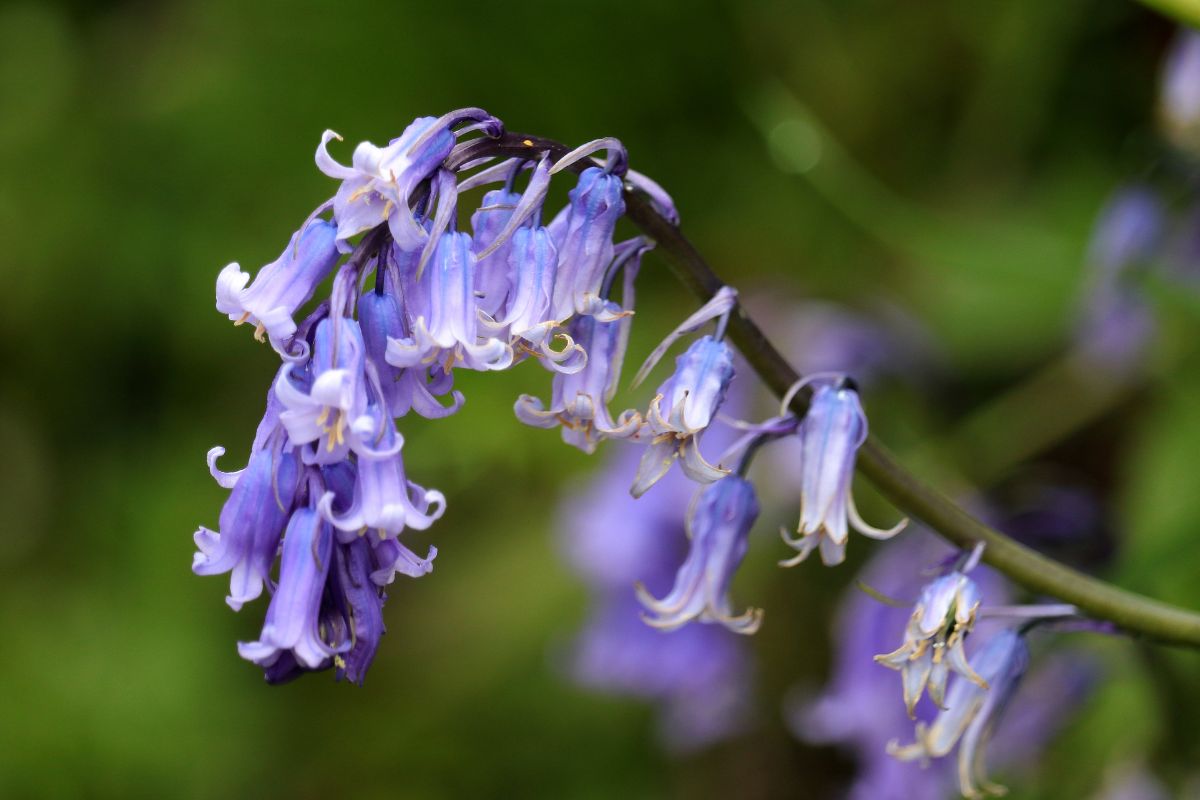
x=281, y=287
x=377, y=187
x=972, y=712
x=293, y=621
x=583, y=235
x=830, y=434
x=933, y=640
x=687, y=402
x=718, y=529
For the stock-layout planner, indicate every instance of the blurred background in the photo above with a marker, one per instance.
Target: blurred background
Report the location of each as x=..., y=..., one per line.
x=993, y=204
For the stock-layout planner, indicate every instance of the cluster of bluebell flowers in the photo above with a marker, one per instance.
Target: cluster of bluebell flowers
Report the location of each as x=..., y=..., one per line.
x=320, y=513
x=326, y=494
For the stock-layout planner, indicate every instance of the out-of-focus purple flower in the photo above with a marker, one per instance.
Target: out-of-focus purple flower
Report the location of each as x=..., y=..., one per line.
x=583, y=234
x=292, y=624
x=449, y=333
x=972, y=713
x=1132, y=782
x=282, y=286
x=324, y=398
x=830, y=435
x=719, y=526
x=825, y=337
x=1179, y=99
x=376, y=187
x=933, y=640
x=700, y=676
x=1127, y=231
x=1116, y=321
x=859, y=708
x=692, y=396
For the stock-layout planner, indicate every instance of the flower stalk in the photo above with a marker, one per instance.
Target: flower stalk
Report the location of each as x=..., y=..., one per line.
x=1135, y=614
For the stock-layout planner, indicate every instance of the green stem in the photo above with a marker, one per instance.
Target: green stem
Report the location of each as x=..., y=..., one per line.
x=1134, y=613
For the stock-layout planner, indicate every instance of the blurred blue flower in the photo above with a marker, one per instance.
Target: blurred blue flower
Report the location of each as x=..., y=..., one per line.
x=972, y=712
x=1116, y=321
x=1179, y=98
x=933, y=641
x=699, y=676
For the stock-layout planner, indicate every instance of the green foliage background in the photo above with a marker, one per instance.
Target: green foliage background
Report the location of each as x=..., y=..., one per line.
x=966, y=150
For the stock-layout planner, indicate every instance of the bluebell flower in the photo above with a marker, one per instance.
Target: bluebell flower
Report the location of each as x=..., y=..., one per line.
x=972, y=712
x=414, y=388
x=324, y=397
x=446, y=330
x=360, y=602
x=252, y=521
x=532, y=261
x=691, y=397
x=253, y=518
x=699, y=677
x=378, y=185
x=580, y=400
x=384, y=498
x=718, y=528
x=861, y=713
x=293, y=620
x=392, y=557
x=830, y=435
x=282, y=286
x=933, y=640
x=583, y=234
x=489, y=221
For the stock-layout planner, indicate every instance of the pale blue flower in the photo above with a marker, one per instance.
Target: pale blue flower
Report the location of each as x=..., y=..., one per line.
x=971, y=714
x=933, y=641
x=830, y=434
